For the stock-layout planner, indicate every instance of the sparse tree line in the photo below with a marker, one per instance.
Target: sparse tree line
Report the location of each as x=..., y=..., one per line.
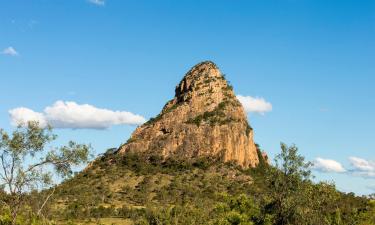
x=173, y=191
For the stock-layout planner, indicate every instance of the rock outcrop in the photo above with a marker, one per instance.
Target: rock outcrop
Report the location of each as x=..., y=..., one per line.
x=203, y=119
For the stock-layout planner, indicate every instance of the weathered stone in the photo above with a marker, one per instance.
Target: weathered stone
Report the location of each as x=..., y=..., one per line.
x=203, y=119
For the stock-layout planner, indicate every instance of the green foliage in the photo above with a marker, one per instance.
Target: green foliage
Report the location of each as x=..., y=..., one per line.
x=186, y=214
x=288, y=183
x=5, y=216
x=145, y=179
x=205, y=191
x=262, y=162
x=25, y=163
x=158, y=117
x=196, y=120
x=367, y=216
x=170, y=109
x=207, y=81
x=216, y=116
x=148, y=189
x=154, y=119
x=241, y=209
x=24, y=217
x=229, y=87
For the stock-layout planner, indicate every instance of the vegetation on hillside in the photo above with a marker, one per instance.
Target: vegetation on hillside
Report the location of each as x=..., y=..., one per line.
x=146, y=189
x=214, y=117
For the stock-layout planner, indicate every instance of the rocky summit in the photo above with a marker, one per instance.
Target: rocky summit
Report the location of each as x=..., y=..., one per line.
x=204, y=119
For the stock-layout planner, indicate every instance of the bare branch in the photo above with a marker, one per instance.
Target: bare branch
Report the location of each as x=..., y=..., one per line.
x=46, y=200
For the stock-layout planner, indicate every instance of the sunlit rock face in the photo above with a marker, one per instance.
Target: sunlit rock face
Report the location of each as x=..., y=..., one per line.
x=203, y=119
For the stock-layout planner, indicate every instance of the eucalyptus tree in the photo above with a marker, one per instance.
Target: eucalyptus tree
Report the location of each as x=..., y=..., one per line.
x=288, y=182
x=28, y=162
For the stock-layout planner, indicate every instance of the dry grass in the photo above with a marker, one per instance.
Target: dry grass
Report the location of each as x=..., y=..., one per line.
x=102, y=221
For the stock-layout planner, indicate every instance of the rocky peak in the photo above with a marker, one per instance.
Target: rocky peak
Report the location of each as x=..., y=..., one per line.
x=203, y=88
x=198, y=79
x=203, y=119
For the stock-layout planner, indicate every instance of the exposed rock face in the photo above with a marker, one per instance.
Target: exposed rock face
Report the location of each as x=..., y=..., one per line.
x=204, y=119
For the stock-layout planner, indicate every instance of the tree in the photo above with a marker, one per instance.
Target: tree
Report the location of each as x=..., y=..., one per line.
x=287, y=184
x=322, y=207
x=368, y=217
x=26, y=165
x=236, y=210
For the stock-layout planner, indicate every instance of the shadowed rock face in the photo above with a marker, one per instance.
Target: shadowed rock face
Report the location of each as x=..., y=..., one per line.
x=203, y=119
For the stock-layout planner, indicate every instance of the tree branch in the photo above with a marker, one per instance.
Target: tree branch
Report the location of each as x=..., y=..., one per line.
x=44, y=203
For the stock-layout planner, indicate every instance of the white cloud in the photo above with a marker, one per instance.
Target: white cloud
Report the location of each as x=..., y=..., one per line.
x=362, y=164
x=97, y=2
x=72, y=115
x=20, y=116
x=362, y=167
x=255, y=104
x=328, y=165
x=10, y=51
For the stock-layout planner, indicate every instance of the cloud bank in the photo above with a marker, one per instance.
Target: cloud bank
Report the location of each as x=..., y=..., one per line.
x=255, y=104
x=328, y=165
x=359, y=167
x=75, y=116
x=9, y=51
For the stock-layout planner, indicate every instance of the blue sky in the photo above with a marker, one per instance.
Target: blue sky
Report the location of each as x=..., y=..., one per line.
x=313, y=60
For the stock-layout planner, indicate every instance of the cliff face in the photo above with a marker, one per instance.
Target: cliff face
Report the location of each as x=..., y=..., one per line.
x=203, y=119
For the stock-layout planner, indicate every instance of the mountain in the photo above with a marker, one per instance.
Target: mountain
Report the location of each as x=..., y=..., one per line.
x=203, y=119
x=196, y=163
x=195, y=152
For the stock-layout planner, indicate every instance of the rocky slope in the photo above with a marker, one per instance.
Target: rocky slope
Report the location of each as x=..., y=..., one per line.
x=203, y=119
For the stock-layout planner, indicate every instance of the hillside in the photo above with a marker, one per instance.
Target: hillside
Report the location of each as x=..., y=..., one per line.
x=146, y=189
x=128, y=184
